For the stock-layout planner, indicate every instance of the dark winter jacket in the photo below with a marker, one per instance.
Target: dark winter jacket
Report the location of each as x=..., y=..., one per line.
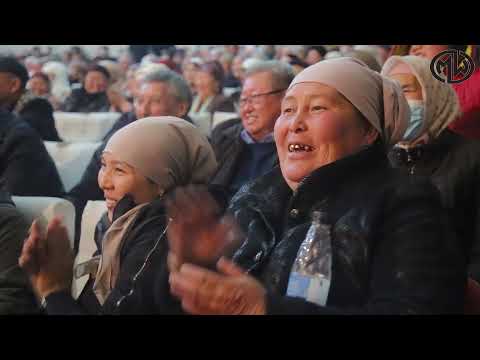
x=25, y=164
x=81, y=101
x=87, y=188
x=16, y=296
x=230, y=150
x=453, y=164
x=393, y=250
x=144, y=242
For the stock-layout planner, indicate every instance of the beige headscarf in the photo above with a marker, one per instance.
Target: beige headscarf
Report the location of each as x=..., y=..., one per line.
x=379, y=99
x=441, y=102
x=169, y=151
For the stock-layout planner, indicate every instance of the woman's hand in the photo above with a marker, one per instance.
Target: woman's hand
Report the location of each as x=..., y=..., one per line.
x=197, y=233
x=47, y=258
x=208, y=293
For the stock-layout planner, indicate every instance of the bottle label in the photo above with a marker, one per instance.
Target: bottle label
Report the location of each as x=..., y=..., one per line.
x=311, y=288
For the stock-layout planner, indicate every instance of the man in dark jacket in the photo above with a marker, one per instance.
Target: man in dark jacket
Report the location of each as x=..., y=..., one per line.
x=92, y=96
x=16, y=296
x=25, y=164
x=162, y=93
x=14, y=97
x=245, y=148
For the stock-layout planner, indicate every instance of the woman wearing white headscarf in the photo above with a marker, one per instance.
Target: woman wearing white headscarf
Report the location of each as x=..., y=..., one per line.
x=60, y=86
x=431, y=149
x=334, y=229
x=141, y=164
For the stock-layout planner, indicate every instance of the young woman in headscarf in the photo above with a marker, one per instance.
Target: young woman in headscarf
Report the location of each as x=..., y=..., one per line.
x=430, y=148
x=334, y=229
x=141, y=164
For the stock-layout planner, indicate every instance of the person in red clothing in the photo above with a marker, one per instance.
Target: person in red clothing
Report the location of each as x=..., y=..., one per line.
x=468, y=91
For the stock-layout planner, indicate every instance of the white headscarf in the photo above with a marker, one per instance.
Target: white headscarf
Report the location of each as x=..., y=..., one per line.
x=441, y=102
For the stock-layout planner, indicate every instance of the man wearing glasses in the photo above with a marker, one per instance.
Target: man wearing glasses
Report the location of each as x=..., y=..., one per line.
x=245, y=147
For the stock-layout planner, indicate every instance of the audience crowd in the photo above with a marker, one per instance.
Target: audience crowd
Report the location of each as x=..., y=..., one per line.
x=245, y=179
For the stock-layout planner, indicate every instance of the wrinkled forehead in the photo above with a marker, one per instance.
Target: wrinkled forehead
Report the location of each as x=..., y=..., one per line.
x=315, y=90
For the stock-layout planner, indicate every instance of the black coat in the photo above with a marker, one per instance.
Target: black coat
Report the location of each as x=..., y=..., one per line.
x=38, y=113
x=150, y=291
x=81, y=101
x=228, y=147
x=16, y=296
x=25, y=164
x=453, y=164
x=393, y=250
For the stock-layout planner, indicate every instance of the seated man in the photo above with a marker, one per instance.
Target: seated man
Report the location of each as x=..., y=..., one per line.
x=25, y=164
x=14, y=97
x=246, y=149
x=16, y=296
x=92, y=96
x=162, y=93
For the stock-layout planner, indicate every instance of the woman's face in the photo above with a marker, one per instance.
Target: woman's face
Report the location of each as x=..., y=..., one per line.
x=95, y=82
x=117, y=179
x=38, y=86
x=313, y=56
x=205, y=84
x=189, y=72
x=317, y=126
x=410, y=86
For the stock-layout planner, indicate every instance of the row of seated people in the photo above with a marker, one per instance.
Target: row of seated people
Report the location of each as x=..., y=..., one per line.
x=398, y=245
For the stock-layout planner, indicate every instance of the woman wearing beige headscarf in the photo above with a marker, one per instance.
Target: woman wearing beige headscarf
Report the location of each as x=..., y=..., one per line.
x=333, y=229
x=430, y=148
x=141, y=164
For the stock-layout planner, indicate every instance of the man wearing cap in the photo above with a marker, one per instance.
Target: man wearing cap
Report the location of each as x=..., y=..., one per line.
x=14, y=97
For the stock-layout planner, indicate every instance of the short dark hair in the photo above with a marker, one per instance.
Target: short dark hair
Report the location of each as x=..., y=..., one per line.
x=318, y=48
x=99, y=68
x=43, y=76
x=11, y=65
x=215, y=69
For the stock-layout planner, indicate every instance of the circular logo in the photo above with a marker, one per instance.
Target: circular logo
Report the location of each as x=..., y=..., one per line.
x=452, y=66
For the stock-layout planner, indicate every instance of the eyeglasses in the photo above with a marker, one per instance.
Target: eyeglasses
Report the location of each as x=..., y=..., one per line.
x=256, y=99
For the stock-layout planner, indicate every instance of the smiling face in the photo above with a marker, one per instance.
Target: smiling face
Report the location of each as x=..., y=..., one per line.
x=260, y=113
x=39, y=86
x=95, y=82
x=205, y=84
x=117, y=179
x=410, y=86
x=155, y=99
x=317, y=126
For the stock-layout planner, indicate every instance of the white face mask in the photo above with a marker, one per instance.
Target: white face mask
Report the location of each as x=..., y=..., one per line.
x=417, y=117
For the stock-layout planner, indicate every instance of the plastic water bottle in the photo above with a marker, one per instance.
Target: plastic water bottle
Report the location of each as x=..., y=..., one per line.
x=311, y=272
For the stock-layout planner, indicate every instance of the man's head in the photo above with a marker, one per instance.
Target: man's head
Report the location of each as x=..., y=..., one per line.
x=262, y=93
x=13, y=80
x=163, y=93
x=97, y=79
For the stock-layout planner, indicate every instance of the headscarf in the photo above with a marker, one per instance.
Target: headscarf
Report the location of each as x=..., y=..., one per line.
x=441, y=102
x=167, y=150
x=379, y=99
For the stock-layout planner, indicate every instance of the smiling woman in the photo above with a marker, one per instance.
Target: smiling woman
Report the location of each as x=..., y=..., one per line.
x=141, y=163
x=334, y=229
